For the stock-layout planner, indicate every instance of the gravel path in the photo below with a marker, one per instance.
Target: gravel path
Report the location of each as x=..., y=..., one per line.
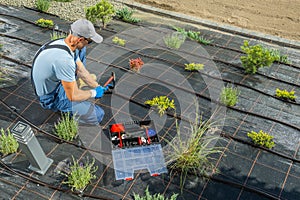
x=65, y=10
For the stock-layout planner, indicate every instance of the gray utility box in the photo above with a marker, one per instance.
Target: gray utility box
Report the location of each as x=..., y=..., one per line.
x=135, y=146
x=31, y=148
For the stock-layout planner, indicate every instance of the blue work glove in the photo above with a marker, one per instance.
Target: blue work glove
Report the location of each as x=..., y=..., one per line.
x=100, y=91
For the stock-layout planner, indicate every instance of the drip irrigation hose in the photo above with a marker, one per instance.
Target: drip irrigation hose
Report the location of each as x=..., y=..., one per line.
x=44, y=184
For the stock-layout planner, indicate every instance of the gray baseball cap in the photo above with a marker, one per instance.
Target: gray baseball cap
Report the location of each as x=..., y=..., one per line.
x=85, y=28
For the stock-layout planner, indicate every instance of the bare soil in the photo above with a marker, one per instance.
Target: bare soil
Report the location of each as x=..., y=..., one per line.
x=275, y=17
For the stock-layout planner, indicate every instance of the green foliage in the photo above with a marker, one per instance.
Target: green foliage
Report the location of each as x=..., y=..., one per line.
x=229, y=95
x=190, y=152
x=8, y=144
x=262, y=139
x=67, y=127
x=102, y=11
x=193, y=35
x=278, y=57
x=63, y=0
x=257, y=57
x=119, y=41
x=193, y=66
x=56, y=35
x=42, y=5
x=125, y=14
x=174, y=40
x=162, y=103
x=81, y=174
x=1, y=45
x=286, y=95
x=46, y=23
x=148, y=196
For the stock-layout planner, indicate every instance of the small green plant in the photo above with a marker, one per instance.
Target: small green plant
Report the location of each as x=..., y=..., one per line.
x=262, y=139
x=162, y=103
x=136, y=64
x=204, y=41
x=193, y=66
x=190, y=152
x=174, y=40
x=229, y=95
x=1, y=45
x=63, y=0
x=42, y=5
x=286, y=95
x=193, y=35
x=119, y=41
x=8, y=144
x=148, y=196
x=102, y=11
x=125, y=14
x=278, y=57
x=46, y=23
x=80, y=174
x=257, y=57
x=57, y=35
x=67, y=127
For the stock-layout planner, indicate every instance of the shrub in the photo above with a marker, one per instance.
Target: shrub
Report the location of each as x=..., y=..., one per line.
x=286, y=95
x=174, y=40
x=42, y=5
x=193, y=35
x=262, y=139
x=153, y=197
x=190, y=152
x=136, y=64
x=56, y=35
x=229, y=95
x=257, y=57
x=119, y=41
x=193, y=66
x=8, y=144
x=102, y=11
x=162, y=103
x=46, y=23
x=81, y=175
x=125, y=14
x=67, y=127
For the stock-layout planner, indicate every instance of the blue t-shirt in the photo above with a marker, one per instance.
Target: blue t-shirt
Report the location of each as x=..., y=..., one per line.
x=51, y=66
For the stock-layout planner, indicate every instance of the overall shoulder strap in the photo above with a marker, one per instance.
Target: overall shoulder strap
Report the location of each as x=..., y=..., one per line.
x=44, y=47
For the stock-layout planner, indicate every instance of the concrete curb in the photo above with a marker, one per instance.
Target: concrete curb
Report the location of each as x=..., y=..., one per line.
x=210, y=24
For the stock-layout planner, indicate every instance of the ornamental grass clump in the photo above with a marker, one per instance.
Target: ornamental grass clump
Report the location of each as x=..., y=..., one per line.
x=193, y=66
x=43, y=5
x=67, y=127
x=148, y=196
x=190, y=152
x=81, y=174
x=57, y=35
x=125, y=14
x=286, y=95
x=119, y=41
x=102, y=11
x=174, y=40
x=256, y=57
x=45, y=23
x=262, y=139
x=8, y=144
x=229, y=95
x=162, y=103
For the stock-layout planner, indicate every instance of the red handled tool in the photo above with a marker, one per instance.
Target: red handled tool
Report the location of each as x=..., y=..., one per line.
x=111, y=80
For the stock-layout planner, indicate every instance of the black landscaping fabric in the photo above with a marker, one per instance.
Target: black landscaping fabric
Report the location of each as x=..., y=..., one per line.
x=245, y=170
